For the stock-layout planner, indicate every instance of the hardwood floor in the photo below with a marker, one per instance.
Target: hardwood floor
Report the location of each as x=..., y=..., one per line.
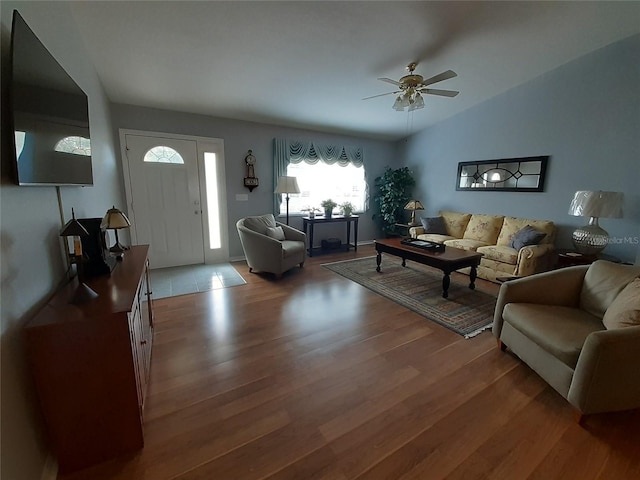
x=316, y=377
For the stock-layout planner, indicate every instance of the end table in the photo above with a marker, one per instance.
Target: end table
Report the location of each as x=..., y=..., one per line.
x=570, y=258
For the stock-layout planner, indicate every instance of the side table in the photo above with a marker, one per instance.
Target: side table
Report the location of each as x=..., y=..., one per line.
x=570, y=258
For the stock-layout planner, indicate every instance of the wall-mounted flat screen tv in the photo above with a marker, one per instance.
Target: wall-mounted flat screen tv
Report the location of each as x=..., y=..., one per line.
x=50, y=115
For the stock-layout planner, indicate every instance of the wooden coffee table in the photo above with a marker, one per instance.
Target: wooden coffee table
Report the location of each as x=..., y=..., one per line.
x=449, y=260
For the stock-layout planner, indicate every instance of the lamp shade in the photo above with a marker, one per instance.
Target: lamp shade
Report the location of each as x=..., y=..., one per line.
x=287, y=185
x=73, y=228
x=414, y=205
x=596, y=204
x=115, y=219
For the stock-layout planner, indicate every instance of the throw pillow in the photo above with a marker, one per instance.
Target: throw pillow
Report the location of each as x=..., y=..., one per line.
x=625, y=309
x=259, y=224
x=276, y=232
x=434, y=225
x=526, y=236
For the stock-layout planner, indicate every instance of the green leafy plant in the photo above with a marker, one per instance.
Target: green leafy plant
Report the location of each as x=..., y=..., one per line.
x=328, y=204
x=393, y=190
x=347, y=208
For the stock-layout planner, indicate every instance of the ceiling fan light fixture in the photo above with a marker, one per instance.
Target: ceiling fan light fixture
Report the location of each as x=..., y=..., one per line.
x=412, y=86
x=397, y=106
x=419, y=102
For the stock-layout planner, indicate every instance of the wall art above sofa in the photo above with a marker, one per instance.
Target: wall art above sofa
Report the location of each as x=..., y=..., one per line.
x=506, y=175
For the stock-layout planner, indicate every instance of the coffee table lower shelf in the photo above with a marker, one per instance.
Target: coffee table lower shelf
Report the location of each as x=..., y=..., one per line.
x=449, y=260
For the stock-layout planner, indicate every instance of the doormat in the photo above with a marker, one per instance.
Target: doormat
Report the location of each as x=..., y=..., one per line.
x=419, y=288
x=182, y=280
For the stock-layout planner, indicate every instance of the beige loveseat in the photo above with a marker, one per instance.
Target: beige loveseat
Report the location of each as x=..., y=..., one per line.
x=579, y=329
x=271, y=246
x=490, y=235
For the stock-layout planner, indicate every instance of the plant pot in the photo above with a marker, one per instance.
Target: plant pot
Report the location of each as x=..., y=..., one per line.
x=328, y=212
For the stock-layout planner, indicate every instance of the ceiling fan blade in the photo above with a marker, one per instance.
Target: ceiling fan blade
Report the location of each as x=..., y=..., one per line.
x=381, y=95
x=440, y=77
x=443, y=93
x=392, y=82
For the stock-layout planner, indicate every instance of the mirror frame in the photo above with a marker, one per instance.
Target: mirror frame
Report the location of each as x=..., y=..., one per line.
x=506, y=161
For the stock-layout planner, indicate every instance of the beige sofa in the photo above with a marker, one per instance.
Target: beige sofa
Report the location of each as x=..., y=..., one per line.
x=490, y=235
x=265, y=253
x=579, y=329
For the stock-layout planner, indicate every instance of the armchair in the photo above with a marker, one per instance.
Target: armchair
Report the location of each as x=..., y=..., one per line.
x=268, y=248
x=579, y=329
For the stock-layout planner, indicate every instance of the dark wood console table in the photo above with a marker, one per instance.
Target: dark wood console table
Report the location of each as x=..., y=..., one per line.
x=90, y=362
x=309, y=223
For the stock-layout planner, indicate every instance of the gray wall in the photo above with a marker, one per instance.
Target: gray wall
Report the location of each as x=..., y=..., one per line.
x=585, y=115
x=241, y=136
x=33, y=262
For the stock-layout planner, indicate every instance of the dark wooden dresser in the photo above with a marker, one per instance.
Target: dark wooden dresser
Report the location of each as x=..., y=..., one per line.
x=91, y=364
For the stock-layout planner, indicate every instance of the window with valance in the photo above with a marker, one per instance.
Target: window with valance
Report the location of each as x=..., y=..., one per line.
x=322, y=171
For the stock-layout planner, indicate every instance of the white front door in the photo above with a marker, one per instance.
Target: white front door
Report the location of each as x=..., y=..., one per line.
x=165, y=201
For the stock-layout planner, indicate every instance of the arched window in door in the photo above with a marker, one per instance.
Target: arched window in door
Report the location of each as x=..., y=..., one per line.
x=163, y=154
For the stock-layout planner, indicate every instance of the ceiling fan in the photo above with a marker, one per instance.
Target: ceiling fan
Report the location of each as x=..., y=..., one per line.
x=413, y=86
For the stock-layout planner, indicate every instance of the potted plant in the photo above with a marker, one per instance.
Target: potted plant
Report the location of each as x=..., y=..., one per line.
x=312, y=211
x=392, y=194
x=347, y=208
x=328, y=206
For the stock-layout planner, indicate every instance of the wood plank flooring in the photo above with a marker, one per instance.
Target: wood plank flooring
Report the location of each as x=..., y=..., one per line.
x=316, y=377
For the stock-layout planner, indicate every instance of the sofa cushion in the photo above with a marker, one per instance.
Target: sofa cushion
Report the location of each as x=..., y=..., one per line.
x=527, y=235
x=625, y=309
x=501, y=254
x=464, y=244
x=259, y=224
x=602, y=284
x=434, y=237
x=484, y=228
x=561, y=331
x=512, y=225
x=499, y=269
x=276, y=232
x=434, y=225
x=456, y=222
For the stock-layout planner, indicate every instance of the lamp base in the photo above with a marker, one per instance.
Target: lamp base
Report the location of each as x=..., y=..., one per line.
x=590, y=239
x=117, y=248
x=412, y=222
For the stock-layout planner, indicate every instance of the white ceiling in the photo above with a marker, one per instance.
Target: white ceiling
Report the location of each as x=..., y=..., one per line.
x=309, y=64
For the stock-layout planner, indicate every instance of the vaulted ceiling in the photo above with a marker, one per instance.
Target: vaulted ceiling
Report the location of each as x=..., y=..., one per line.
x=309, y=64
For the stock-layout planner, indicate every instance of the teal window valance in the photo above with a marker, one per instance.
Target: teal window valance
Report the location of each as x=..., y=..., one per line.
x=292, y=151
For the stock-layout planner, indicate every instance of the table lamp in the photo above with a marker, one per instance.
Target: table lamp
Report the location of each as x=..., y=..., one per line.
x=287, y=185
x=413, y=205
x=115, y=220
x=73, y=228
x=592, y=239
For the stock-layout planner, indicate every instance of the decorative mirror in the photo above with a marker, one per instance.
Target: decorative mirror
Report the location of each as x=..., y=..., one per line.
x=506, y=175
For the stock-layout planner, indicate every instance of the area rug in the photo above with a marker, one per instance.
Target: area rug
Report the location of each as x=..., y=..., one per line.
x=419, y=288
